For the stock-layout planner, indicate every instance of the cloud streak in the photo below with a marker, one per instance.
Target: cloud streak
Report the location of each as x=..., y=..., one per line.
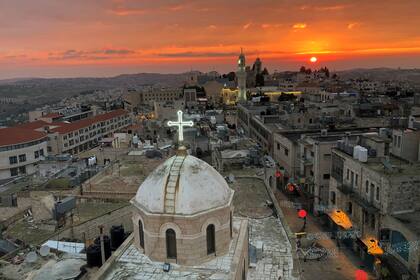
x=90, y=54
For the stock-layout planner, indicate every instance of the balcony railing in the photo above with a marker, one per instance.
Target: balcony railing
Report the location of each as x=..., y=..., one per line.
x=363, y=202
x=345, y=188
x=307, y=160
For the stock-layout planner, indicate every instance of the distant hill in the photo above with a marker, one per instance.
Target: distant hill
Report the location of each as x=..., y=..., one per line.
x=74, y=85
x=383, y=74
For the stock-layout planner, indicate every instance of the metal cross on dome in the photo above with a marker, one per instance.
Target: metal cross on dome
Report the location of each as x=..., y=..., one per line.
x=180, y=124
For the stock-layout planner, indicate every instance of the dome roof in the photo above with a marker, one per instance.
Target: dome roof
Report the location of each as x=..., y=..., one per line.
x=183, y=185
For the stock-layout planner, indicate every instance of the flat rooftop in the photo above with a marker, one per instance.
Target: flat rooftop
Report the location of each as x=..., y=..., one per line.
x=399, y=167
x=132, y=264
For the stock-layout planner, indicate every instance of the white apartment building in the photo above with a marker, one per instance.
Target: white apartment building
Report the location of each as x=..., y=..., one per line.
x=20, y=151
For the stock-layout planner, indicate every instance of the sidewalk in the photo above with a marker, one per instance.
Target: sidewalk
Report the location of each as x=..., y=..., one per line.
x=341, y=264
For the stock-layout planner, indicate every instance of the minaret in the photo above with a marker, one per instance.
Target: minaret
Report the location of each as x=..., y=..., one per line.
x=241, y=76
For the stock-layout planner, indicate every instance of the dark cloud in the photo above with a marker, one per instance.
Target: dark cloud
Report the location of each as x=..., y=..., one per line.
x=90, y=55
x=198, y=54
x=122, y=51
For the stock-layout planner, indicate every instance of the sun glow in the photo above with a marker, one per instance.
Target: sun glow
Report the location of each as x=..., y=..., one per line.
x=313, y=59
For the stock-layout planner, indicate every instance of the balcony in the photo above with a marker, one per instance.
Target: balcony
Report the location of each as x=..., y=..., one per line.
x=307, y=160
x=364, y=203
x=345, y=188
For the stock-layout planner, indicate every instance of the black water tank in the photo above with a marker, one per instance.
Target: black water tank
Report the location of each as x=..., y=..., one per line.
x=117, y=236
x=107, y=245
x=93, y=255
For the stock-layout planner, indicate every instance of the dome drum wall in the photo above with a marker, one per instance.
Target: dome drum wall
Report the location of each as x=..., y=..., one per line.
x=190, y=232
x=183, y=197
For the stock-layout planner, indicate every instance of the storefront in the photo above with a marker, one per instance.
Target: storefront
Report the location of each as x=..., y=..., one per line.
x=341, y=227
x=369, y=250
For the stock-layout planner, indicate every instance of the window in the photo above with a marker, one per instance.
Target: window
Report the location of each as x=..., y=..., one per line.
x=141, y=234
x=286, y=151
x=231, y=225
x=367, y=186
x=13, y=160
x=333, y=197
x=377, y=193
x=399, y=141
x=372, y=221
x=22, y=158
x=41, y=152
x=348, y=174
x=36, y=154
x=170, y=244
x=326, y=176
x=366, y=215
x=350, y=208
x=278, y=146
x=22, y=170
x=211, y=240
x=356, y=181
x=13, y=171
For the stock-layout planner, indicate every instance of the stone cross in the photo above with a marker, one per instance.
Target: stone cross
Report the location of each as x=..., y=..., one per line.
x=180, y=124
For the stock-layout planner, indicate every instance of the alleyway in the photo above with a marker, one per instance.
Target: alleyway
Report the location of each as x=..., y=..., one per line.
x=341, y=264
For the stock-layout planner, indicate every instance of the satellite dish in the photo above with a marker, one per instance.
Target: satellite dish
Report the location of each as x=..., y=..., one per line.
x=44, y=250
x=231, y=178
x=31, y=257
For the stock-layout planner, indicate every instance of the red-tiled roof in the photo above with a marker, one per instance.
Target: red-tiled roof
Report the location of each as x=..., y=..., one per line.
x=18, y=135
x=33, y=125
x=74, y=126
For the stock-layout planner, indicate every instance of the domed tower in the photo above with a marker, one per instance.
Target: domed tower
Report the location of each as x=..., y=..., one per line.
x=183, y=210
x=241, y=76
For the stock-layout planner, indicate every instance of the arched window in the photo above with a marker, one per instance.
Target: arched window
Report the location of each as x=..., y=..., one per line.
x=211, y=240
x=170, y=244
x=231, y=225
x=141, y=234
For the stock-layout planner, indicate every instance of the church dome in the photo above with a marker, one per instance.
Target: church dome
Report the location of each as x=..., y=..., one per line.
x=183, y=185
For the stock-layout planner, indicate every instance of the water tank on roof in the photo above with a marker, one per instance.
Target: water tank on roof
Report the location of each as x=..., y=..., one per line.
x=93, y=255
x=363, y=154
x=356, y=151
x=117, y=236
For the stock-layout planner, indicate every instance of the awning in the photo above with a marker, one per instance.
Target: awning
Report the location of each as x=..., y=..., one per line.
x=372, y=245
x=340, y=218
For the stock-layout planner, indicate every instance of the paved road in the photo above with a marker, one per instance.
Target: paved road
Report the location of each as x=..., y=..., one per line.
x=342, y=262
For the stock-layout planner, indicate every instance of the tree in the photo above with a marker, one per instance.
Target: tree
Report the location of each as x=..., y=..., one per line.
x=265, y=72
x=302, y=69
x=231, y=76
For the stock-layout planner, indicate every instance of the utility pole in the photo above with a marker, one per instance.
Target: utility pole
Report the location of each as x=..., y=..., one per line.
x=101, y=236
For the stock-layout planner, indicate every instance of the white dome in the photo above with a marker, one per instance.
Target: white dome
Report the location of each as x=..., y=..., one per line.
x=183, y=185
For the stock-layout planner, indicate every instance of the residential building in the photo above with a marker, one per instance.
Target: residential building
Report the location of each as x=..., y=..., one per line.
x=379, y=194
x=20, y=151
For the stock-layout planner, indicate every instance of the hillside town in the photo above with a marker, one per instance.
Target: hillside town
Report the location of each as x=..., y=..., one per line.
x=244, y=175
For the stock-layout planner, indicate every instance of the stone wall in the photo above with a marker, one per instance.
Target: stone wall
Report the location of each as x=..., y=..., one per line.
x=190, y=235
x=89, y=230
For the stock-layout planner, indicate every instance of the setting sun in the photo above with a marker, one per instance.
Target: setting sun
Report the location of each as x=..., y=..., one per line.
x=313, y=59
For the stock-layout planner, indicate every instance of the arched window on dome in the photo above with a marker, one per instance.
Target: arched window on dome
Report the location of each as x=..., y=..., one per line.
x=231, y=225
x=211, y=240
x=170, y=244
x=141, y=234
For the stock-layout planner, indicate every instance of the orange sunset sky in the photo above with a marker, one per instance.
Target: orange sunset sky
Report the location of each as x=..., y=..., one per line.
x=49, y=38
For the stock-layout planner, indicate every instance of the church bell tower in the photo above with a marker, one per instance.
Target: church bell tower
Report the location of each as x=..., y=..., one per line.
x=241, y=76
